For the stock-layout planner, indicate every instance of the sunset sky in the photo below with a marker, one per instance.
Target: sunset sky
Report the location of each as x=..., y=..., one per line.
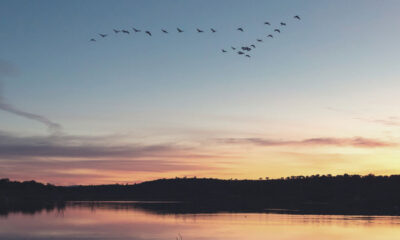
x=322, y=97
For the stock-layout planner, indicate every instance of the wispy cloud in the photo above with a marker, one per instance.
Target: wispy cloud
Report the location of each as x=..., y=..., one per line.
x=340, y=142
x=52, y=126
x=122, y=165
x=67, y=146
x=7, y=70
x=389, y=121
x=69, y=159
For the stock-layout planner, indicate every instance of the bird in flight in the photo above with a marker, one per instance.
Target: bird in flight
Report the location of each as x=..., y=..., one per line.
x=241, y=50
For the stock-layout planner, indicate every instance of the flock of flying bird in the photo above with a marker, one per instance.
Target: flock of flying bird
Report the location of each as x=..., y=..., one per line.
x=240, y=50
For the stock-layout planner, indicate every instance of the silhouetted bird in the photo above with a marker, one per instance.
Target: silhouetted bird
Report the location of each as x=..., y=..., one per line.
x=259, y=40
x=164, y=31
x=246, y=49
x=240, y=29
x=125, y=31
x=233, y=48
x=92, y=40
x=136, y=30
x=252, y=45
x=277, y=30
x=283, y=24
x=148, y=33
x=271, y=36
x=247, y=55
x=116, y=31
x=103, y=35
x=267, y=23
x=199, y=30
x=223, y=50
x=213, y=30
x=179, y=30
x=297, y=17
x=240, y=53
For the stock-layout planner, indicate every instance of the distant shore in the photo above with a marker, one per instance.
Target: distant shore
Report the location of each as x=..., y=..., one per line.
x=342, y=194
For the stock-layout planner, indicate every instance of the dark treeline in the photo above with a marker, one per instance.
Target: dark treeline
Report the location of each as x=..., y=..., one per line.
x=29, y=197
x=344, y=194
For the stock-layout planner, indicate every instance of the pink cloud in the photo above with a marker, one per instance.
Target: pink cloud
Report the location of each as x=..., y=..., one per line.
x=327, y=141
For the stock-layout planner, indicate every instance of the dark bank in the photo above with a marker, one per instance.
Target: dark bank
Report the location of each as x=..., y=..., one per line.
x=326, y=194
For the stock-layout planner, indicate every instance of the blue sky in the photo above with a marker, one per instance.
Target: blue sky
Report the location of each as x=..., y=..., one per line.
x=332, y=74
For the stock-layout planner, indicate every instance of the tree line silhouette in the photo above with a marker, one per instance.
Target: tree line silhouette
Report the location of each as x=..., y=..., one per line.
x=345, y=194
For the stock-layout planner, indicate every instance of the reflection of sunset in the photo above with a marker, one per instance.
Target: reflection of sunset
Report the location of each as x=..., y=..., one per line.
x=108, y=223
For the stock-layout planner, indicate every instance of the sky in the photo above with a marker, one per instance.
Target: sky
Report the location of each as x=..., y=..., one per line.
x=321, y=97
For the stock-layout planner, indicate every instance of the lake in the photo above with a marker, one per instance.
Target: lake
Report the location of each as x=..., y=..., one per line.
x=130, y=220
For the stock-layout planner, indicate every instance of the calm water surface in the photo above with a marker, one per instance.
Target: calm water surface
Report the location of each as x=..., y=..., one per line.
x=116, y=221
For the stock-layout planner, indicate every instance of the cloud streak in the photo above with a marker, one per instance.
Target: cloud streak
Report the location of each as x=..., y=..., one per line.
x=64, y=146
x=52, y=126
x=390, y=121
x=68, y=159
x=359, y=142
x=152, y=165
x=6, y=70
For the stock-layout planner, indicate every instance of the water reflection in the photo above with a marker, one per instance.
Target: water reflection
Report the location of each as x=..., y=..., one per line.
x=144, y=221
x=32, y=208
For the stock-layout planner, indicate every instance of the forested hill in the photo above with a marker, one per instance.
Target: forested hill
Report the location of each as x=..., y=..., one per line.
x=344, y=193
